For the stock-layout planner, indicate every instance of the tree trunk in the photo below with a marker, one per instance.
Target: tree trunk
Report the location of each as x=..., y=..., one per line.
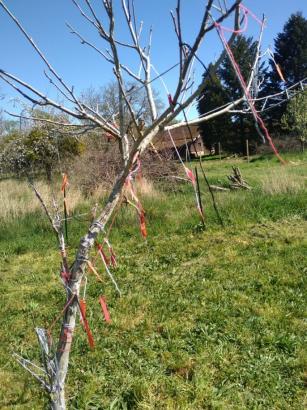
x=77, y=272
x=58, y=402
x=243, y=142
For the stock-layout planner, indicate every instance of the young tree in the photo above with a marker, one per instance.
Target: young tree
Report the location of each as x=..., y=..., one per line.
x=89, y=118
x=295, y=118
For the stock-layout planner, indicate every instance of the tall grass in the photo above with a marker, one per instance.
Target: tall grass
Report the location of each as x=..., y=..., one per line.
x=18, y=199
x=209, y=319
x=281, y=181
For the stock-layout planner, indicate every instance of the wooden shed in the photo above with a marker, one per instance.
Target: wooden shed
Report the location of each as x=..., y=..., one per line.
x=189, y=146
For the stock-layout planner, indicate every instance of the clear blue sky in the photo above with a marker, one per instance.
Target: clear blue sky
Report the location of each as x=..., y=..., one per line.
x=81, y=67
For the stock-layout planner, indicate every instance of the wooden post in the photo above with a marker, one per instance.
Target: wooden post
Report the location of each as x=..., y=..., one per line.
x=247, y=151
x=212, y=195
x=65, y=214
x=199, y=197
x=220, y=151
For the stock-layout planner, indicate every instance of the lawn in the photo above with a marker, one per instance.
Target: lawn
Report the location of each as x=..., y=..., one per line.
x=209, y=318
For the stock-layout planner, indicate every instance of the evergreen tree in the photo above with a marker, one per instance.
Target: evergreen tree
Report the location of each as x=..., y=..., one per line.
x=223, y=86
x=244, y=51
x=291, y=51
x=291, y=56
x=214, y=96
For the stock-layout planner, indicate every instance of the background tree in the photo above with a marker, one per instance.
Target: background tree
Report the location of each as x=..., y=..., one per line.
x=40, y=149
x=224, y=86
x=290, y=53
x=294, y=119
x=214, y=95
x=8, y=126
x=244, y=51
x=106, y=101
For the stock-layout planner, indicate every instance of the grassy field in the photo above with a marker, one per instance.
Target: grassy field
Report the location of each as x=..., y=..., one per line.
x=209, y=318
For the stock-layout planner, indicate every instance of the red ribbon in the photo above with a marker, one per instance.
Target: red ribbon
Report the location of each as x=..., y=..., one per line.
x=65, y=276
x=104, y=309
x=113, y=258
x=190, y=175
x=170, y=100
x=103, y=255
x=108, y=260
x=66, y=339
x=82, y=306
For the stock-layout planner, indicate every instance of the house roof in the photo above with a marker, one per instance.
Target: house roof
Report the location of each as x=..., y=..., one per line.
x=180, y=135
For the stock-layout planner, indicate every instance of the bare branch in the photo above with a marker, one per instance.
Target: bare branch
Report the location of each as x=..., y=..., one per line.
x=45, y=120
x=84, y=14
x=256, y=61
x=39, y=52
x=101, y=29
x=134, y=76
x=58, y=88
x=204, y=29
x=122, y=90
x=207, y=117
x=47, y=101
x=84, y=41
x=44, y=206
x=144, y=57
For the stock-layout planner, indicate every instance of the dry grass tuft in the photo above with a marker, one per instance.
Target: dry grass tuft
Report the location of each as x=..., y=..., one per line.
x=280, y=181
x=146, y=188
x=17, y=199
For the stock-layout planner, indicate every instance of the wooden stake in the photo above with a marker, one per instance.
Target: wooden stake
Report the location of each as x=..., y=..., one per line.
x=65, y=215
x=220, y=151
x=212, y=196
x=199, y=196
x=247, y=151
x=203, y=171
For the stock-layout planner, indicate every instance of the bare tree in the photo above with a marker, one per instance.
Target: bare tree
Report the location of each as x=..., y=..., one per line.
x=85, y=116
x=105, y=100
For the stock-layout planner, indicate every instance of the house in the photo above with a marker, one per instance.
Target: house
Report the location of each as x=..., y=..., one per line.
x=187, y=140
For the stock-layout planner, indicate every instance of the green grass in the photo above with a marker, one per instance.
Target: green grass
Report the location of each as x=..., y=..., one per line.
x=209, y=319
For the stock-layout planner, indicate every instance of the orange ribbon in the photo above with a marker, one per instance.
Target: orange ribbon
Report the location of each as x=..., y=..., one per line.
x=143, y=223
x=104, y=309
x=64, y=182
x=280, y=73
x=90, y=338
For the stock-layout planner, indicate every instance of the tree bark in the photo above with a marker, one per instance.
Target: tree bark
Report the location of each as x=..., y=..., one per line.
x=58, y=402
x=77, y=272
